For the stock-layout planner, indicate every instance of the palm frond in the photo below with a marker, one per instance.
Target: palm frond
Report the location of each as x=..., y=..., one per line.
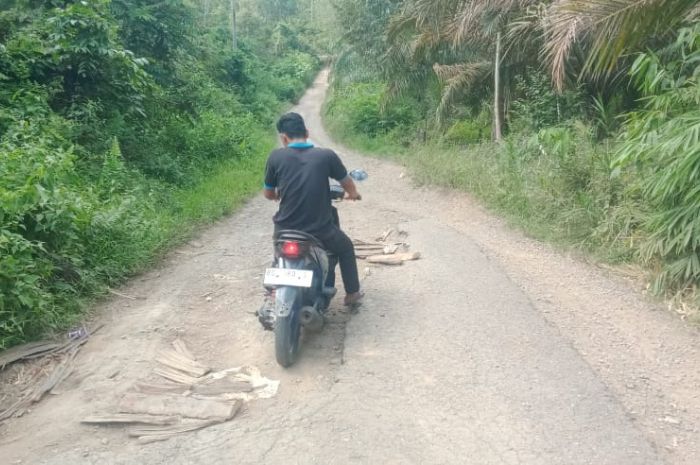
x=347, y=68
x=457, y=79
x=693, y=14
x=527, y=28
x=611, y=27
x=403, y=68
x=424, y=43
x=466, y=22
x=420, y=15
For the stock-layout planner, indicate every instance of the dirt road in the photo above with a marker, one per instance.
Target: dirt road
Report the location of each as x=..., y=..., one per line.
x=492, y=349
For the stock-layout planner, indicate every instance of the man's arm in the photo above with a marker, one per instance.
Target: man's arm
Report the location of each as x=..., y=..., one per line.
x=350, y=189
x=340, y=174
x=270, y=191
x=271, y=194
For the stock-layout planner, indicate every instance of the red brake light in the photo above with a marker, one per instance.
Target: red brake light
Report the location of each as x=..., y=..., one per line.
x=291, y=249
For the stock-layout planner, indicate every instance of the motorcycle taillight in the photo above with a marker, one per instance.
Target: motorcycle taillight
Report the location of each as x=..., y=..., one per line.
x=291, y=249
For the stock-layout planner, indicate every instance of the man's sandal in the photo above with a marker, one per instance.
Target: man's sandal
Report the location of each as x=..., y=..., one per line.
x=354, y=300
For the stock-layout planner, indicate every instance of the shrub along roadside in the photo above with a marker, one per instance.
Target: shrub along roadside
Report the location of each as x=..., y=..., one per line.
x=85, y=237
x=120, y=133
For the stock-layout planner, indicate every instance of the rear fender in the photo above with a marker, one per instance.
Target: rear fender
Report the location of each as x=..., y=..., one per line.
x=287, y=301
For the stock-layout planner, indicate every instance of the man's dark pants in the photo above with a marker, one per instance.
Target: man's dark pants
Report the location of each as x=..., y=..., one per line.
x=338, y=243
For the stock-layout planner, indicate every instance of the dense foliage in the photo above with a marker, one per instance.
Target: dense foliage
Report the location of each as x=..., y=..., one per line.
x=597, y=103
x=122, y=124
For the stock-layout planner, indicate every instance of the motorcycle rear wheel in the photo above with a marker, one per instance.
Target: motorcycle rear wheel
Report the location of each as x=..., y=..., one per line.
x=288, y=329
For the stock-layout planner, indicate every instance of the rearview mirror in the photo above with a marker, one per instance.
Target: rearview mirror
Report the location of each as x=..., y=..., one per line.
x=359, y=175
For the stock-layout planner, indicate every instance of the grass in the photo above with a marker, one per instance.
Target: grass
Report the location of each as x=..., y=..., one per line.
x=219, y=192
x=551, y=198
x=212, y=194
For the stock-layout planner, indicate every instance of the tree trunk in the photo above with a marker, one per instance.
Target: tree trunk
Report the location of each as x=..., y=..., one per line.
x=207, y=11
x=234, y=25
x=497, y=115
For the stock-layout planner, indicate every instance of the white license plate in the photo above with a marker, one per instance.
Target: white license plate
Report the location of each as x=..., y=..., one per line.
x=285, y=277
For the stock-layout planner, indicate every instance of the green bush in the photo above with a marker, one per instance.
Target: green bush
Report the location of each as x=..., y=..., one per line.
x=662, y=142
x=217, y=137
x=26, y=304
x=39, y=228
x=536, y=105
x=107, y=157
x=292, y=73
x=363, y=108
x=468, y=131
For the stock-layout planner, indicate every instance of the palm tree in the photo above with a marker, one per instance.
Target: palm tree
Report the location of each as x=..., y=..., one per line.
x=607, y=30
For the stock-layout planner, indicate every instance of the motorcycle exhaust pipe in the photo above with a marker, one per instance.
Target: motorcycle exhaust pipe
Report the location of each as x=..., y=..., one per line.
x=311, y=319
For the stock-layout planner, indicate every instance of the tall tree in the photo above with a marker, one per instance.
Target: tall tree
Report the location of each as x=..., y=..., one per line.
x=233, y=6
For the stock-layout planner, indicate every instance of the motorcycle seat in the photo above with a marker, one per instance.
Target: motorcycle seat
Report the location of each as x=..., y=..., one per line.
x=297, y=236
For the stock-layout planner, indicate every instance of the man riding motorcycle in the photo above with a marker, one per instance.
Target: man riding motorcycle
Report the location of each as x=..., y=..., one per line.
x=297, y=176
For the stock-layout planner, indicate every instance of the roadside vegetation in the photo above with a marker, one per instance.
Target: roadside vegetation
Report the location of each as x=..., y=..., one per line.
x=579, y=121
x=124, y=125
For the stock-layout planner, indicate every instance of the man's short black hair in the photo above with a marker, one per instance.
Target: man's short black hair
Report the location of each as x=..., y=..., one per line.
x=292, y=125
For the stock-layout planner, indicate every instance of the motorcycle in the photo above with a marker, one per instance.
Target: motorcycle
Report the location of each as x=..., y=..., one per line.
x=297, y=281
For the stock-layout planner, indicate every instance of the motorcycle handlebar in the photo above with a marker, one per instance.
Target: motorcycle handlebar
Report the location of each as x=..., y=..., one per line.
x=337, y=191
x=335, y=195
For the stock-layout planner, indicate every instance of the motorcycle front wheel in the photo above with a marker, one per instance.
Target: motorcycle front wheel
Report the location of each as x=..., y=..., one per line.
x=287, y=325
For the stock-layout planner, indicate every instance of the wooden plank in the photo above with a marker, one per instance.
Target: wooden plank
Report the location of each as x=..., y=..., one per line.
x=10, y=411
x=162, y=388
x=182, y=364
x=185, y=368
x=26, y=350
x=203, y=409
x=40, y=349
x=408, y=256
x=57, y=375
x=367, y=253
x=390, y=249
x=177, y=361
x=223, y=386
x=357, y=242
x=181, y=427
x=131, y=418
x=154, y=438
x=149, y=435
x=396, y=259
x=176, y=376
x=182, y=349
x=180, y=358
x=385, y=235
x=385, y=260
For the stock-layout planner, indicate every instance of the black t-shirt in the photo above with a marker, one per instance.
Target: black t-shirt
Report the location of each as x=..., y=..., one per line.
x=301, y=177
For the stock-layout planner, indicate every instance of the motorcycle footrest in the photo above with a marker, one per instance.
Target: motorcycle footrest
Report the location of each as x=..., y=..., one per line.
x=329, y=292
